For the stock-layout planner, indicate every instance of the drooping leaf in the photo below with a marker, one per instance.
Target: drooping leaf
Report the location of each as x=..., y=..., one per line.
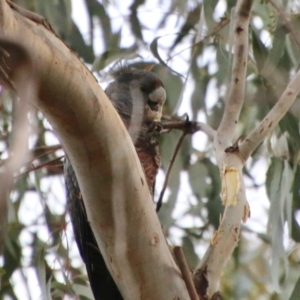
x=97, y=10
x=209, y=8
x=12, y=255
x=77, y=43
x=289, y=124
x=41, y=271
x=154, y=51
x=82, y=290
x=278, y=185
x=134, y=20
x=190, y=23
x=295, y=230
x=214, y=205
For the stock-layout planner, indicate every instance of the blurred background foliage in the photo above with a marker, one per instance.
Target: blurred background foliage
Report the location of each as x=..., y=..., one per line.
x=188, y=44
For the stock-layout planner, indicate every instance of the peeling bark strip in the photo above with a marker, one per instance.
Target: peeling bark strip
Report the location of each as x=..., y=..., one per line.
x=230, y=185
x=79, y=112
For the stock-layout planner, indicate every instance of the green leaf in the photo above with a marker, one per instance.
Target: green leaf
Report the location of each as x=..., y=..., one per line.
x=98, y=10
x=41, y=271
x=279, y=179
x=273, y=178
x=214, y=205
x=260, y=52
x=59, y=15
x=209, y=8
x=296, y=291
x=295, y=234
x=82, y=290
x=110, y=56
x=77, y=43
x=275, y=54
x=134, y=20
x=191, y=21
x=189, y=252
x=197, y=176
x=12, y=254
x=155, y=53
x=289, y=123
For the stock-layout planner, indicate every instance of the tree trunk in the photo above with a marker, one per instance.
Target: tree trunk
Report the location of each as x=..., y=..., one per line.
x=116, y=196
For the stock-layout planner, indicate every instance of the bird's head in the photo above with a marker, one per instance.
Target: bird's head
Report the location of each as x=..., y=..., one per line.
x=145, y=88
x=154, y=104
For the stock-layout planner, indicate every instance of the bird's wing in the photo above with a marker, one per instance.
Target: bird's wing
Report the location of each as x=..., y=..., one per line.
x=102, y=284
x=150, y=160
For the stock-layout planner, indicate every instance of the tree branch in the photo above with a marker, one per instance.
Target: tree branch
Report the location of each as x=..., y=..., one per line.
x=266, y=126
x=186, y=274
x=235, y=99
x=161, y=195
x=189, y=127
x=225, y=239
x=116, y=198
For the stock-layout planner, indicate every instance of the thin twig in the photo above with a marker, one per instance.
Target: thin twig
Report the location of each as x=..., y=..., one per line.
x=218, y=28
x=189, y=127
x=41, y=165
x=48, y=150
x=186, y=274
x=159, y=202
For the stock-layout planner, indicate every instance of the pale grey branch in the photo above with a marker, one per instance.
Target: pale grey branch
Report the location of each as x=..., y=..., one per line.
x=257, y=135
x=235, y=99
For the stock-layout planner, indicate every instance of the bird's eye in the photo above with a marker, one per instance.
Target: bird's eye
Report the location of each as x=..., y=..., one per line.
x=153, y=105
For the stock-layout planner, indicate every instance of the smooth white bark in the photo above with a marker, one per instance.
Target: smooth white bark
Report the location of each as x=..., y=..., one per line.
x=234, y=103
